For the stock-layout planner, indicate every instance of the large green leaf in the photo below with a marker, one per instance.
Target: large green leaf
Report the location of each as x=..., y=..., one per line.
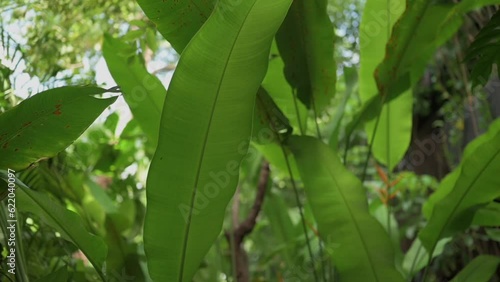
x=357, y=242
x=282, y=93
x=393, y=131
x=67, y=223
x=472, y=186
x=350, y=79
x=480, y=269
x=204, y=133
x=143, y=92
x=45, y=124
x=178, y=21
x=305, y=41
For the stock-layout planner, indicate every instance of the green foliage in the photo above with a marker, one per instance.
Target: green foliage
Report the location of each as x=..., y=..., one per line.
x=131, y=197
x=64, y=221
x=473, y=185
x=305, y=41
x=45, y=124
x=60, y=35
x=283, y=95
x=143, y=92
x=486, y=48
x=479, y=270
x=390, y=132
x=360, y=248
x=178, y=21
x=417, y=257
x=60, y=275
x=210, y=126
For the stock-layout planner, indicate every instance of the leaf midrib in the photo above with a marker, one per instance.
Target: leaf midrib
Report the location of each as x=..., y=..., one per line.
x=207, y=132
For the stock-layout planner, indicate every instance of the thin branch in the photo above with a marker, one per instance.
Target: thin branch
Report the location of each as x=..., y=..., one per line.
x=240, y=231
x=246, y=227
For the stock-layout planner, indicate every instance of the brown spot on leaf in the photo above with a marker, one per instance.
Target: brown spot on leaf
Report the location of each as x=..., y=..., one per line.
x=57, y=112
x=27, y=124
x=5, y=145
x=16, y=149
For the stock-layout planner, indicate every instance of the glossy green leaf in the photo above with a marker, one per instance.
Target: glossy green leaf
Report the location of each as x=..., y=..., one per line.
x=417, y=257
x=480, y=269
x=357, y=242
x=486, y=47
x=305, y=41
x=67, y=223
x=143, y=92
x=178, y=21
x=393, y=131
x=204, y=133
x=488, y=216
x=415, y=38
x=455, y=17
x=476, y=186
x=47, y=123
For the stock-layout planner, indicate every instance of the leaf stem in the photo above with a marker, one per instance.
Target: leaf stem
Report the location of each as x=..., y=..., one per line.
x=280, y=140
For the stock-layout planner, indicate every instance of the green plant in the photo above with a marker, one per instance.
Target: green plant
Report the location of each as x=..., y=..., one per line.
x=262, y=160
